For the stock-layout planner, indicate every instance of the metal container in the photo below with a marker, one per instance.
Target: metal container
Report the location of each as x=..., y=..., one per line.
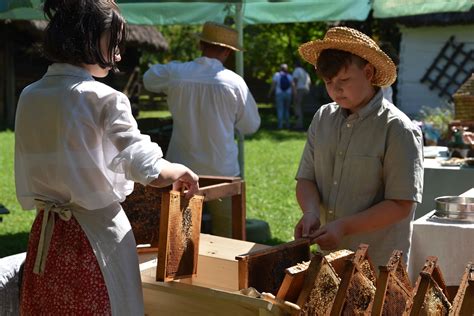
x=455, y=208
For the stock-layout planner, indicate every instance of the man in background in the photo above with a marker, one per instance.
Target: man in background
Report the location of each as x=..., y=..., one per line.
x=207, y=102
x=282, y=84
x=302, y=84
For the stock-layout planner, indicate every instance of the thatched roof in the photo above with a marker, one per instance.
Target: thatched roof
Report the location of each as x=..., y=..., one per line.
x=143, y=36
x=146, y=35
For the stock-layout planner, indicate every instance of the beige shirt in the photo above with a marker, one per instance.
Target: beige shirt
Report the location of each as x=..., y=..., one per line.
x=358, y=160
x=208, y=102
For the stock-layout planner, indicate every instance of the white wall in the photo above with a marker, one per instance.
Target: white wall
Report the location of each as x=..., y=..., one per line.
x=418, y=49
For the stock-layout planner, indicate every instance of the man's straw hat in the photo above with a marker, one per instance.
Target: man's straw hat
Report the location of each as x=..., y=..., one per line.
x=221, y=35
x=357, y=43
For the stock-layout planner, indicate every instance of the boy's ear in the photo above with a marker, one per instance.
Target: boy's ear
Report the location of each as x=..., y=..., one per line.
x=369, y=71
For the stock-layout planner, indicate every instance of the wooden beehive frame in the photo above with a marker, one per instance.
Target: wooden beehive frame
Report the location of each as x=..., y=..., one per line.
x=295, y=276
x=145, y=215
x=180, y=229
x=265, y=269
x=321, y=282
x=394, y=289
x=463, y=303
x=430, y=281
x=357, y=282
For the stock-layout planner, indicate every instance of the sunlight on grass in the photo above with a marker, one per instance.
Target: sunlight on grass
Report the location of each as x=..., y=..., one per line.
x=271, y=162
x=15, y=226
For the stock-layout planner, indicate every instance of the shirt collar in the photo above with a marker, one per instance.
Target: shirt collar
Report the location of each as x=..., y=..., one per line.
x=374, y=104
x=60, y=69
x=208, y=61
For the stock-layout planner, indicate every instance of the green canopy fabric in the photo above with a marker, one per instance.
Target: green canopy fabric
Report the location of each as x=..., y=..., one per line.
x=197, y=12
x=397, y=8
x=253, y=11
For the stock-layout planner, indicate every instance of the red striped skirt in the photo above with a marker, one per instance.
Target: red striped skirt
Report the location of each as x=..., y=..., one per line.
x=72, y=282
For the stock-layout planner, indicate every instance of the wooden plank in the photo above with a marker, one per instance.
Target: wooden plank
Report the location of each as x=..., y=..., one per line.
x=205, y=180
x=173, y=298
x=291, y=287
x=293, y=281
x=239, y=214
x=463, y=303
x=221, y=190
x=265, y=269
x=180, y=227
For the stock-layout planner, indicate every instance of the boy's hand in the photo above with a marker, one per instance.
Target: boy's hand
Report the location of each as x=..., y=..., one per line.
x=468, y=138
x=329, y=236
x=307, y=225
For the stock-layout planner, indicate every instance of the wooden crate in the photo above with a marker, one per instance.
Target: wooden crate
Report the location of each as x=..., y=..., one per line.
x=214, y=289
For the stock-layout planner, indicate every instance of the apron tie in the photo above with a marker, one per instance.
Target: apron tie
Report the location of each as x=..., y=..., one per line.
x=65, y=213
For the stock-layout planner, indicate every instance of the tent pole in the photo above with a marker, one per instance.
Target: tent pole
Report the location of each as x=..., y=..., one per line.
x=239, y=65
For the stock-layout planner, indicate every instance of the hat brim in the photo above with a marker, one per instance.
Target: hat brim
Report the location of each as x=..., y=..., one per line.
x=235, y=48
x=385, y=69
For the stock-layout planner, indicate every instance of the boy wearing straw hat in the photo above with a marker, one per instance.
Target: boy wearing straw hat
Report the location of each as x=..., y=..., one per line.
x=208, y=103
x=361, y=172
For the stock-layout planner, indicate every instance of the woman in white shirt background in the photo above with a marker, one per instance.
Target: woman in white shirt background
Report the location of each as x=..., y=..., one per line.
x=78, y=152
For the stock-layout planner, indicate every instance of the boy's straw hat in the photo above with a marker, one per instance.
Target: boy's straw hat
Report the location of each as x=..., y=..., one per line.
x=221, y=35
x=357, y=43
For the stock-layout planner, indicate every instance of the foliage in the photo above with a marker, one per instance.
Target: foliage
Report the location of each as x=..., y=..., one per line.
x=266, y=46
x=183, y=45
x=269, y=45
x=438, y=117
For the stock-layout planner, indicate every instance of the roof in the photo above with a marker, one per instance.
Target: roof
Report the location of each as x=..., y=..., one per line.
x=144, y=36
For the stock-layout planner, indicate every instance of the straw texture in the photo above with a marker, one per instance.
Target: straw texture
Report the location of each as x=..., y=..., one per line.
x=357, y=43
x=221, y=35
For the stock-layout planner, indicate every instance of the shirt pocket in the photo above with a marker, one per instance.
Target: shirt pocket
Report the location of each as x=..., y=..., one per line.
x=363, y=177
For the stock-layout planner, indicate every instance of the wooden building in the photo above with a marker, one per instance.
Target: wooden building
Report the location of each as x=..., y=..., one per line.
x=436, y=57
x=21, y=60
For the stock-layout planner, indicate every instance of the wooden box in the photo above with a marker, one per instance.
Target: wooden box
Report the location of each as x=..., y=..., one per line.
x=213, y=291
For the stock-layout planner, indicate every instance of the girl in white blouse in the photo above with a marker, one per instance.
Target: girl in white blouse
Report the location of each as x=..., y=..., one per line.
x=78, y=153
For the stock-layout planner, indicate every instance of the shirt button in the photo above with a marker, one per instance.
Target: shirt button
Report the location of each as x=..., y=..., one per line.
x=340, y=153
x=335, y=182
x=331, y=212
x=349, y=125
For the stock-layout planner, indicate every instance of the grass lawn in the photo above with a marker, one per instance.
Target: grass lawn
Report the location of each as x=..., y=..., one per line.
x=271, y=161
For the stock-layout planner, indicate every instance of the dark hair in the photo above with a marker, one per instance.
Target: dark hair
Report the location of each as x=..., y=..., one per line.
x=76, y=27
x=391, y=52
x=331, y=61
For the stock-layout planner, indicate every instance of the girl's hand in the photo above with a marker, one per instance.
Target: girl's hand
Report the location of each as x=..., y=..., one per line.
x=189, y=181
